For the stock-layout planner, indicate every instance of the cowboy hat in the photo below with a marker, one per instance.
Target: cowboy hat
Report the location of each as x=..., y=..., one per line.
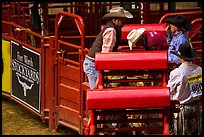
x=180, y=21
x=186, y=52
x=118, y=12
x=134, y=35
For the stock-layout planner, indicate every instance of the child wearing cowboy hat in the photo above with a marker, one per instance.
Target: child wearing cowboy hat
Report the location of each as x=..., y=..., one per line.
x=133, y=36
x=185, y=84
x=106, y=41
x=177, y=26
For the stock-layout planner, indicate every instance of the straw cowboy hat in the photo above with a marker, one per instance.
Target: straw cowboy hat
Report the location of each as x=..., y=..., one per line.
x=180, y=21
x=133, y=36
x=118, y=12
x=186, y=52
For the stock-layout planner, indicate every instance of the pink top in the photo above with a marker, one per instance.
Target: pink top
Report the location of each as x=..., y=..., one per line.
x=109, y=40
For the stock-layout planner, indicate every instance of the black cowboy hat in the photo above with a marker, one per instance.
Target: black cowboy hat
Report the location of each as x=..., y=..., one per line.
x=180, y=21
x=186, y=52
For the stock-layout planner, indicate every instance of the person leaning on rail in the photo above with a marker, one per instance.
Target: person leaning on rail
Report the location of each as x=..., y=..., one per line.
x=106, y=41
x=177, y=25
x=185, y=84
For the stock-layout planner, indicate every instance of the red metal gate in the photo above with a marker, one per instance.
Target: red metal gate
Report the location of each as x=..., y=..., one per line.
x=62, y=96
x=68, y=72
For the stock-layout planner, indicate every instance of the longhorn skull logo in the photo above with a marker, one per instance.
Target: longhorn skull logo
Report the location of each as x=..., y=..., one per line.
x=25, y=86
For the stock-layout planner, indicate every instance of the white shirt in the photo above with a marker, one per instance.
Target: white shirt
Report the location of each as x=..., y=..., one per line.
x=185, y=83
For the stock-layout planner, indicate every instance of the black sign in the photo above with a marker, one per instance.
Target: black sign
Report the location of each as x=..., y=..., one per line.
x=26, y=85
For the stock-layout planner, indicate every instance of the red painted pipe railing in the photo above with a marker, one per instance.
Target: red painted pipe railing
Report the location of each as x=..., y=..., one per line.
x=186, y=13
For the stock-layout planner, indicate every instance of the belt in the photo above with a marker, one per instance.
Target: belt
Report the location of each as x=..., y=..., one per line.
x=90, y=58
x=191, y=103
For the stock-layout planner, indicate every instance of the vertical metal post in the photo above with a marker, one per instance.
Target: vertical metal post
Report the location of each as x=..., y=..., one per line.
x=144, y=12
x=51, y=85
x=171, y=6
x=166, y=123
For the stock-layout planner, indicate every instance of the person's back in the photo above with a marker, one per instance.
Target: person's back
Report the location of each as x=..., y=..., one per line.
x=185, y=84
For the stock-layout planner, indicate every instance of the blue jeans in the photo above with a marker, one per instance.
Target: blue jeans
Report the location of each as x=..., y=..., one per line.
x=89, y=69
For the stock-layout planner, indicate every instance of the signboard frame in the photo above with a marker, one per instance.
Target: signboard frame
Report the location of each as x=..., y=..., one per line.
x=26, y=76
